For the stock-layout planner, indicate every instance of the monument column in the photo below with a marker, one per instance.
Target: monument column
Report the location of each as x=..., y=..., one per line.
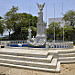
x=40, y=24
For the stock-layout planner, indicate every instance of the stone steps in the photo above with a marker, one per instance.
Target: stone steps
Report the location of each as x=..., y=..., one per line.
x=67, y=62
x=47, y=60
x=35, y=68
x=52, y=65
x=38, y=61
x=67, y=55
x=66, y=58
x=66, y=51
x=26, y=54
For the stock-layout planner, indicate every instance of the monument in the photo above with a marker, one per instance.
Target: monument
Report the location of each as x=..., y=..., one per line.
x=43, y=59
x=40, y=38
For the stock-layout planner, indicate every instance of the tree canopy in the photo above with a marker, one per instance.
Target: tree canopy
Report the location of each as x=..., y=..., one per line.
x=2, y=26
x=19, y=23
x=58, y=31
x=70, y=17
x=70, y=28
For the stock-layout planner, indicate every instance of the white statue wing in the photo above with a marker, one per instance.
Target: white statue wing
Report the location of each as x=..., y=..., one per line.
x=37, y=4
x=40, y=6
x=43, y=5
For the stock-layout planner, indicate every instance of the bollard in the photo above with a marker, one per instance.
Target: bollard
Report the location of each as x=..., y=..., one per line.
x=47, y=45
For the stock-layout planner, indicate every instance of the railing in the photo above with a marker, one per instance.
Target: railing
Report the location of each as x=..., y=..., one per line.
x=61, y=44
x=18, y=41
x=67, y=44
x=13, y=42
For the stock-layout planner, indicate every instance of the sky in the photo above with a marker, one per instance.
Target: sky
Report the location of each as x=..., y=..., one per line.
x=6, y=5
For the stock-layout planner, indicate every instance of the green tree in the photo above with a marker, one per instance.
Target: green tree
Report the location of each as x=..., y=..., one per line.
x=68, y=33
x=58, y=31
x=23, y=24
x=34, y=30
x=19, y=23
x=10, y=19
x=69, y=17
x=2, y=26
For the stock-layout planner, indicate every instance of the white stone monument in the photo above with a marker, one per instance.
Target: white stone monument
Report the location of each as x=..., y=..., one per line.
x=40, y=38
x=40, y=24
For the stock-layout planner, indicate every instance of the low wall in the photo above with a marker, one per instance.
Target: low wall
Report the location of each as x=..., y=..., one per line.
x=61, y=45
x=68, y=44
x=18, y=41
x=12, y=42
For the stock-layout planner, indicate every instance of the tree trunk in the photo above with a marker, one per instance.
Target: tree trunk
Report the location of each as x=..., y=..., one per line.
x=9, y=35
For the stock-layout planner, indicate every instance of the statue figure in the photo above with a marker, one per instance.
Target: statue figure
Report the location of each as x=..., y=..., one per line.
x=29, y=36
x=40, y=6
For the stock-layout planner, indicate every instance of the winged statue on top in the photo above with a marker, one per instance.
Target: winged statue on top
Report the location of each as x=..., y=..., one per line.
x=40, y=6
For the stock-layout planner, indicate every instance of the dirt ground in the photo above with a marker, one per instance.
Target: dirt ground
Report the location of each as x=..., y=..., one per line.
x=66, y=69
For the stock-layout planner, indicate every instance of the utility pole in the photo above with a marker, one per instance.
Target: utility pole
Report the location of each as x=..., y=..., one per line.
x=29, y=30
x=29, y=16
x=54, y=22
x=62, y=22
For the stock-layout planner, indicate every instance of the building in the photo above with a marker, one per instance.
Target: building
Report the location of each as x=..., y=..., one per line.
x=56, y=20
x=60, y=20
